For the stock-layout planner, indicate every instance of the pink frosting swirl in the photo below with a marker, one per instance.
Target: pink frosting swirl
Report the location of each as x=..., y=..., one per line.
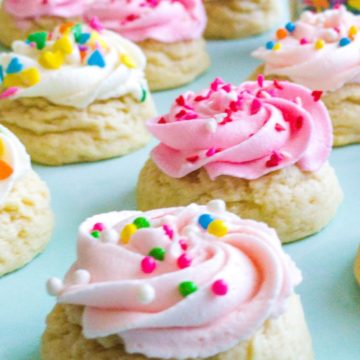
x=327, y=68
x=244, y=131
x=27, y=9
x=148, y=312
x=162, y=20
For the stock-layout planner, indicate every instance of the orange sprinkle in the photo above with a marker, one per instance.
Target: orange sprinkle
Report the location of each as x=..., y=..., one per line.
x=281, y=34
x=65, y=27
x=5, y=170
x=2, y=147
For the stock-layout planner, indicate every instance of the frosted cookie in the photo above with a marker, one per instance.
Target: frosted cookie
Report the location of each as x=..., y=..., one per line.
x=76, y=94
x=180, y=283
x=26, y=220
x=230, y=19
x=261, y=146
x=19, y=18
x=322, y=52
x=169, y=32
x=357, y=267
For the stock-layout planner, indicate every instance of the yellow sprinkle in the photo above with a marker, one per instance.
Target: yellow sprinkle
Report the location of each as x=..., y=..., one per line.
x=319, y=44
x=218, y=228
x=127, y=232
x=64, y=45
x=277, y=47
x=97, y=39
x=51, y=60
x=12, y=80
x=353, y=31
x=30, y=77
x=2, y=147
x=128, y=61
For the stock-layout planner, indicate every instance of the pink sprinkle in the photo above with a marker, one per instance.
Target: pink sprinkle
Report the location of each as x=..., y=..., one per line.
x=299, y=122
x=236, y=105
x=8, y=92
x=180, y=101
x=260, y=80
x=162, y=120
x=279, y=128
x=183, y=244
x=184, y=261
x=168, y=231
x=304, y=41
x=192, y=159
x=220, y=288
x=227, y=88
x=255, y=106
x=214, y=86
x=96, y=24
x=148, y=264
x=275, y=159
x=211, y=152
x=99, y=227
x=277, y=84
x=316, y=94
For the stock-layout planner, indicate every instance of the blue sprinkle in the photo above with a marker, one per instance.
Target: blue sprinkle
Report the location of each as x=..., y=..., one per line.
x=14, y=66
x=83, y=38
x=270, y=44
x=290, y=27
x=96, y=59
x=205, y=220
x=344, y=42
x=1, y=74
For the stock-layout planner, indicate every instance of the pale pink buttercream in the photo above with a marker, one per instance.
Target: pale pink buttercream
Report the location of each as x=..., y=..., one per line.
x=29, y=9
x=327, y=68
x=162, y=20
x=244, y=131
x=249, y=259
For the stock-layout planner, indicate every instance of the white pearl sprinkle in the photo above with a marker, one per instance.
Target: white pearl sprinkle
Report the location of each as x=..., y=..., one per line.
x=298, y=101
x=286, y=154
x=110, y=236
x=146, y=294
x=81, y=277
x=211, y=126
x=54, y=286
x=216, y=205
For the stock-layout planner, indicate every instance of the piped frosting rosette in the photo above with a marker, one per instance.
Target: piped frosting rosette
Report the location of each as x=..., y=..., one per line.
x=14, y=162
x=33, y=9
x=244, y=131
x=177, y=283
x=320, y=51
x=162, y=20
x=74, y=65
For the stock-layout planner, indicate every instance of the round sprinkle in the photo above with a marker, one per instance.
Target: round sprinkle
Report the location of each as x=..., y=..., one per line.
x=184, y=261
x=158, y=253
x=141, y=223
x=281, y=34
x=205, y=220
x=146, y=294
x=127, y=232
x=148, y=265
x=344, y=42
x=319, y=44
x=216, y=205
x=277, y=47
x=99, y=227
x=270, y=45
x=304, y=41
x=353, y=31
x=218, y=228
x=220, y=287
x=109, y=236
x=96, y=234
x=187, y=288
x=54, y=286
x=81, y=277
x=290, y=27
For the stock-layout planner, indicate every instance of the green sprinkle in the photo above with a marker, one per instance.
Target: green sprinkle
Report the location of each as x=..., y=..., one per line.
x=158, y=253
x=143, y=95
x=141, y=223
x=96, y=234
x=39, y=38
x=187, y=288
x=77, y=31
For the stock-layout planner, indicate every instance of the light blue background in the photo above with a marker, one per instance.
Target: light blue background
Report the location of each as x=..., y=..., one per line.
x=330, y=296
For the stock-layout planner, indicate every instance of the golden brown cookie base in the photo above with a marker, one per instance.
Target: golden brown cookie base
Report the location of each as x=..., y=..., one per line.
x=295, y=203
x=284, y=338
x=26, y=223
x=357, y=267
x=56, y=135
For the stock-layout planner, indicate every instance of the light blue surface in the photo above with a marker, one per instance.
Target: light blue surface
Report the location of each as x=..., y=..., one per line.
x=330, y=296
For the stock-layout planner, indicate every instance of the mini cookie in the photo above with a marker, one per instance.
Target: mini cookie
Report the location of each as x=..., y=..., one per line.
x=230, y=19
x=18, y=19
x=357, y=267
x=185, y=283
x=262, y=147
x=26, y=220
x=169, y=32
x=322, y=52
x=76, y=94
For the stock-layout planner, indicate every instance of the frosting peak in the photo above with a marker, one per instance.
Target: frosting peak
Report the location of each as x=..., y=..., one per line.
x=244, y=131
x=145, y=277
x=320, y=51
